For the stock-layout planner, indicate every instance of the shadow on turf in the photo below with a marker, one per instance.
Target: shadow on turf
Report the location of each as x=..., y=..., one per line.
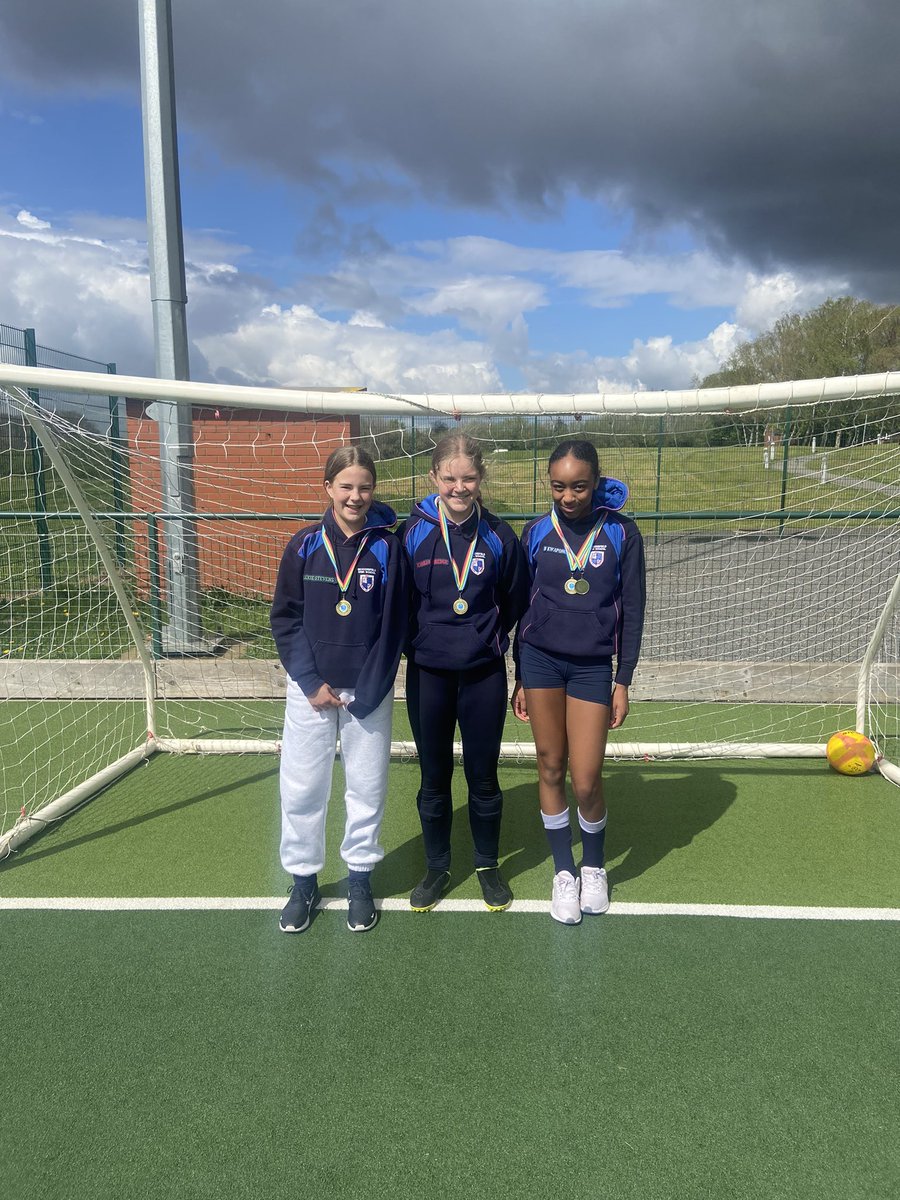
x=650, y=817
x=33, y=849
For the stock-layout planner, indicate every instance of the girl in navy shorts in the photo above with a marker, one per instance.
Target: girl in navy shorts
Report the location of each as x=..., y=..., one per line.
x=470, y=586
x=586, y=609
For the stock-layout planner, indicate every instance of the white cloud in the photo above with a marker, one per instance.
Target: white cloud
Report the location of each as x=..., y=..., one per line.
x=490, y=286
x=17, y=114
x=611, y=278
x=297, y=347
x=366, y=319
x=660, y=362
x=30, y=221
x=80, y=295
x=765, y=298
x=90, y=295
x=482, y=302
x=653, y=364
x=82, y=283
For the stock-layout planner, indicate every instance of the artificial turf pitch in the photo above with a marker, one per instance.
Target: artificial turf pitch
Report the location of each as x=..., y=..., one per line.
x=194, y=1054
x=771, y=832
x=203, y=1055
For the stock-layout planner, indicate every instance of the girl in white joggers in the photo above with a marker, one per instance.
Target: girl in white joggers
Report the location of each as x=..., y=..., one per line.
x=339, y=618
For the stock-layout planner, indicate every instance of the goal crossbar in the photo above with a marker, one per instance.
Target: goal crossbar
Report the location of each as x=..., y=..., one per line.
x=742, y=398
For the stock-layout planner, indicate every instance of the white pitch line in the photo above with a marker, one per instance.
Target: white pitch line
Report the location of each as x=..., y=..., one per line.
x=776, y=912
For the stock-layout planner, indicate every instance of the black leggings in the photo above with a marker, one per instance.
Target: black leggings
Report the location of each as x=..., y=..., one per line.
x=436, y=700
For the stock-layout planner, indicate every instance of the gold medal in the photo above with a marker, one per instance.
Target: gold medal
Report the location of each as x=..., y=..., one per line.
x=577, y=561
x=460, y=606
x=343, y=608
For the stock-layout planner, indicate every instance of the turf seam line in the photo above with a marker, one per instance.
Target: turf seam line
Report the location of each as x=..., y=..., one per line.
x=395, y=904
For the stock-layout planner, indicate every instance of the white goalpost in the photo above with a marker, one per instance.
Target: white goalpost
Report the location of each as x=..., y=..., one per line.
x=774, y=587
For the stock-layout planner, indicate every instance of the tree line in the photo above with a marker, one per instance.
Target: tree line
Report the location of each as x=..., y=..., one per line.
x=843, y=336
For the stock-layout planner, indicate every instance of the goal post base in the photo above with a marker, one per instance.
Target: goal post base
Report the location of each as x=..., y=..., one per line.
x=26, y=827
x=511, y=752
x=889, y=770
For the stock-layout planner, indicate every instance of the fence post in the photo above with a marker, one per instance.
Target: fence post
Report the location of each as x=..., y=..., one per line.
x=659, y=450
x=118, y=490
x=156, y=640
x=785, y=451
x=415, y=450
x=534, y=458
x=38, y=473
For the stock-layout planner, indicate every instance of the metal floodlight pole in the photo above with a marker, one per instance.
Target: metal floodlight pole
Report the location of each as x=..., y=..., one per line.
x=168, y=295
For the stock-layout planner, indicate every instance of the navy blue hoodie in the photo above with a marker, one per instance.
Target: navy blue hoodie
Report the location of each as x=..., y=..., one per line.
x=609, y=619
x=362, y=650
x=496, y=591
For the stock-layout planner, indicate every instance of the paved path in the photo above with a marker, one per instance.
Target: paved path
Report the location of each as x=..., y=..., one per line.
x=810, y=467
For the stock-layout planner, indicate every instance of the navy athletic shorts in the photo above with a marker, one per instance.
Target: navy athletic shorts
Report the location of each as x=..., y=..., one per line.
x=584, y=678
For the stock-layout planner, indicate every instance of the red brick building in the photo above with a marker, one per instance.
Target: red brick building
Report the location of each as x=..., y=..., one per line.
x=245, y=461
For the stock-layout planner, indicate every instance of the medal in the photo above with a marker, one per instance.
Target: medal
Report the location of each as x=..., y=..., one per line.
x=577, y=561
x=343, y=608
x=460, y=606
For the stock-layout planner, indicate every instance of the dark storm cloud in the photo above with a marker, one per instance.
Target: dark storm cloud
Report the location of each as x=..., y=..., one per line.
x=769, y=127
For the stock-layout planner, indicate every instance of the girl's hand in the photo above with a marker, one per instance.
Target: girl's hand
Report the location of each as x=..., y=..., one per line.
x=519, y=706
x=325, y=698
x=618, y=710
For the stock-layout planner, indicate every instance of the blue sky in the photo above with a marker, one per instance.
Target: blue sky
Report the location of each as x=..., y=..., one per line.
x=564, y=197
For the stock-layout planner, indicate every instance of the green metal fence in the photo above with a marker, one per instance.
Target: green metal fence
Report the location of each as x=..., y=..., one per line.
x=101, y=413
x=701, y=476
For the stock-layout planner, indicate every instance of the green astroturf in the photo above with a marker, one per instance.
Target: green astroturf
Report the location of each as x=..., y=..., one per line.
x=649, y=720
x=163, y=1055
x=206, y=1055
x=771, y=832
x=55, y=744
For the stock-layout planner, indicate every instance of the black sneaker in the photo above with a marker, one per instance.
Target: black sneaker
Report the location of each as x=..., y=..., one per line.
x=494, y=888
x=361, y=911
x=429, y=890
x=298, y=912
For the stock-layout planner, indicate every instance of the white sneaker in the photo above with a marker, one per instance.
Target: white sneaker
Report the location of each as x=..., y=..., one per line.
x=564, y=903
x=594, y=890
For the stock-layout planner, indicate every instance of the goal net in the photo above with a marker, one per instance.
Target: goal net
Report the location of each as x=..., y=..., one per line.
x=138, y=552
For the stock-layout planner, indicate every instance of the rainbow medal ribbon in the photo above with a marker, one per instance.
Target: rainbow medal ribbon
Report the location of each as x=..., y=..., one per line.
x=460, y=606
x=577, y=561
x=343, y=608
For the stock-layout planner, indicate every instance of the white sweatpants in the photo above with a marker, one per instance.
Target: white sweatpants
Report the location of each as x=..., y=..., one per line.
x=308, y=747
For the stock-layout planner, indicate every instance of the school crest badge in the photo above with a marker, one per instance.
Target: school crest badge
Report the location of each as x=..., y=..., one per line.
x=366, y=580
x=597, y=557
x=478, y=564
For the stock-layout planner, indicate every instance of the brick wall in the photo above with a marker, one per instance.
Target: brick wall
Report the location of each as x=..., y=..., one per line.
x=245, y=460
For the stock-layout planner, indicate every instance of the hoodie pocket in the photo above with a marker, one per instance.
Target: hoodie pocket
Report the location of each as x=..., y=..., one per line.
x=452, y=646
x=537, y=623
x=339, y=662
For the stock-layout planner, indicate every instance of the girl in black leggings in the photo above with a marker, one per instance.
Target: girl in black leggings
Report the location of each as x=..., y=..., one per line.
x=470, y=585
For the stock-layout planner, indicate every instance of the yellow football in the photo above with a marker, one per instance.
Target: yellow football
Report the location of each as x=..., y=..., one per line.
x=850, y=753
